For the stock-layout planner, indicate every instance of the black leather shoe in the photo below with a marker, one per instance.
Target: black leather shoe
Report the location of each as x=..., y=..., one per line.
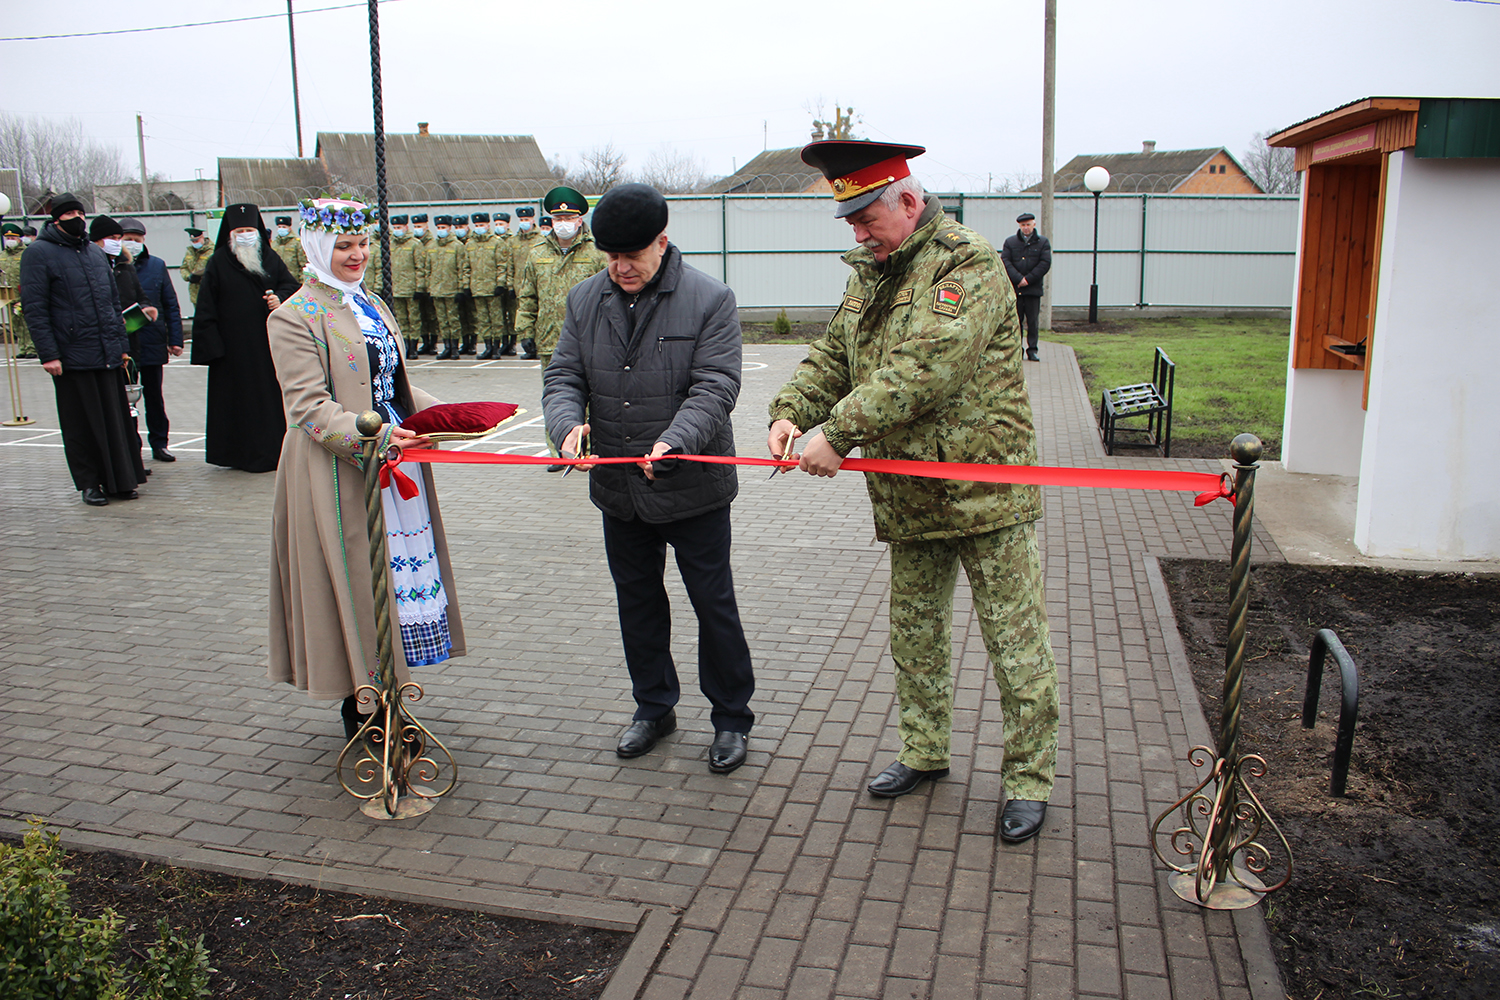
x=898, y=779
x=1031, y=355
x=127, y=495
x=163, y=455
x=728, y=751
x=94, y=497
x=643, y=734
x=556, y=468
x=1022, y=820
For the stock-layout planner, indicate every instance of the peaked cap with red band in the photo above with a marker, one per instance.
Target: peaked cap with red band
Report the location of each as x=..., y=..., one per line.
x=858, y=170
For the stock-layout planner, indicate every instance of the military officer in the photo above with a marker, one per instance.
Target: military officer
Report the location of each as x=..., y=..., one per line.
x=288, y=246
x=923, y=360
x=200, y=249
x=520, y=247
x=485, y=272
x=10, y=267
x=559, y=260
x=428, y=312
x=444, y=277
x=404, y=248
x=465, y=297
x=506, y=328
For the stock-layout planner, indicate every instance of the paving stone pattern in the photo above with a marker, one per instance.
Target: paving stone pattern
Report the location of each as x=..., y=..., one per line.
x=132, y=641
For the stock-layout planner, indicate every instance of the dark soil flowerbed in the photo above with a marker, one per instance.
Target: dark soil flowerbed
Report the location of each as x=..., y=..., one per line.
x=1395, y=888
x=274, y=940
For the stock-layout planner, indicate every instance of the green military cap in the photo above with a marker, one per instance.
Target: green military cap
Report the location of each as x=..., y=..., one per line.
x=858, y=170
x=397, y=220
x=283, y=220
x=193, y=231
x=564, y=199
x=442, y=220
x=480, y=217
x=11, y=229
x=419, y=218
x=503, y=216
x=525, y=212
x=460, y=220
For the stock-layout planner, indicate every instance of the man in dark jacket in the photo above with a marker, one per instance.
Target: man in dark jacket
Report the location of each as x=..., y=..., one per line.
x=73, y=307
x=1027, y=256
x=159, y=339
x=650, y=351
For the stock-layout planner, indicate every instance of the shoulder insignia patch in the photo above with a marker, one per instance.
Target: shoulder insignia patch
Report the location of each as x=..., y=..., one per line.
x=853, y=303
x=903, y=297
x=952, y=238
x=947, y=297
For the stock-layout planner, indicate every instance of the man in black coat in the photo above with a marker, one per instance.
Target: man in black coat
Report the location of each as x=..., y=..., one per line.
x=72, y=305
x=244, y=281
x=1027, y=256
x=650, y=355
x=159, y=339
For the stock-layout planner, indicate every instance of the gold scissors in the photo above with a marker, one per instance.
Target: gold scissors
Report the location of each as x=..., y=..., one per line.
x=786, y=452
x=583, y=449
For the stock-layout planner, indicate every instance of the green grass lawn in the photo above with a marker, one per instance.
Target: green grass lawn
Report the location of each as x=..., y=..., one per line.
x=1231, y=373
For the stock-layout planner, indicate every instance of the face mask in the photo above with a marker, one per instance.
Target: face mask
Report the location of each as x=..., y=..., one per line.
x=112, y=247
x=461, y=231
x=197, y=244
x=26, y=240
x=12, y=244
x=247, y=239
x=132, y=247
x=283, y=232
x=524, y=227
x=481, y=230
x=418, y=230
x=74, y=227
x=398, y=233
x=442, y=233
x=565, y=230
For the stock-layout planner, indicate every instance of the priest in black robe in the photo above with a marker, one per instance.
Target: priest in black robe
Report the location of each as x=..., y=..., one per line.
x=245, y=280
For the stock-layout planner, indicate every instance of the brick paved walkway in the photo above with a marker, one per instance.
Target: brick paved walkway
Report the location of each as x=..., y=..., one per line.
x=131, y=646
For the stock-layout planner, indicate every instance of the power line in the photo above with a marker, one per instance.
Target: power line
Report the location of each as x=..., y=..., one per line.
x=192, y=24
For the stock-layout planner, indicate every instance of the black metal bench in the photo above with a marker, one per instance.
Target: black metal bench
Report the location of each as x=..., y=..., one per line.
x=1152, y=400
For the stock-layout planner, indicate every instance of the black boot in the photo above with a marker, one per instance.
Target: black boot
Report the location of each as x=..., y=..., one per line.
x=352, y=717
x=449, y=351
x=429, y=346
x=468, y=347
x=507, y=346
x=411, y=348
x=528, y=350
x=489, y=350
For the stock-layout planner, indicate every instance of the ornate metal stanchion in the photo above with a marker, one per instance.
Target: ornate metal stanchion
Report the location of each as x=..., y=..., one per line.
x=8, y=294
x=391, y=766
x=1224, y=827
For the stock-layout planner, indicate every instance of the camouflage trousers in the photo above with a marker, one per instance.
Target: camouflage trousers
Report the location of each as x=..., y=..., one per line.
x=489, y=322
x=427, y=309
x=408, y=317
x=24, y=348
x=1005, y=575
x=448, y=325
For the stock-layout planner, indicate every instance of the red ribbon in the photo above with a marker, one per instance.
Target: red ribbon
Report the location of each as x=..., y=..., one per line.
x=404, y=483
x=1209, y=487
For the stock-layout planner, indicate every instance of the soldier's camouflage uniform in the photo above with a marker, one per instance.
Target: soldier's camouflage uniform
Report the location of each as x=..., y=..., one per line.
x=444, y=272
x=193, y=263
x=404, y=251
x=486, y=268
x=548, y=274
x=424, y=302
x=923, y=361
x=291, y=253
x=372, y=269
x=520, y=249
x=10, y=266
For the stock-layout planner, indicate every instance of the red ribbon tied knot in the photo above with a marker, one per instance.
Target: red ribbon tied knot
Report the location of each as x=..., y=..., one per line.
x=405, y=485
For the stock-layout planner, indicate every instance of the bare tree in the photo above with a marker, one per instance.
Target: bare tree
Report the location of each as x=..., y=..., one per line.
x=1272, y=167
x=558, y=168
x=600, y=168
x=672, y=172
x=840, y=126
x=54, y=155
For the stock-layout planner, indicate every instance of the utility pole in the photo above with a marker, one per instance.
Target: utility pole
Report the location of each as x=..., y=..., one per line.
x=1049, y=124
x=291, y=35
x=140, y=138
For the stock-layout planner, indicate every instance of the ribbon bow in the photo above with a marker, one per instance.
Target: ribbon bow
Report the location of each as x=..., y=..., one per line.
x=405, y=485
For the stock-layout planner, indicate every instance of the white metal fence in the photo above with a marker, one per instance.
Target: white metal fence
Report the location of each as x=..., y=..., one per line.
x=1173, y=251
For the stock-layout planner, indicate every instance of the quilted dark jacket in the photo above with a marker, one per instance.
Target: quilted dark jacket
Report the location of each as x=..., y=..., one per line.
x=166, y=332
x=673, y=375
x=72, y=306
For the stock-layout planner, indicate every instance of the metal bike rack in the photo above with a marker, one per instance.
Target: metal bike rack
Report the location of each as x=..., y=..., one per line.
x=1343, y=747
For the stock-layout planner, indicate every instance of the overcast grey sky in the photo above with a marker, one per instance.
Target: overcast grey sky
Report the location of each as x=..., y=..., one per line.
x=720, y=81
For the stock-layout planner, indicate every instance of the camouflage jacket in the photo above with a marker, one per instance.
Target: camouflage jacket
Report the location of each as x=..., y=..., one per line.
x=444, y=268
x=291, y=253
x=486, y=255
x=922, y=361
x=404, y=254
x=194, y=261
x=520, y=249
x=10, y=268
x=372, y=269
x=546, y=277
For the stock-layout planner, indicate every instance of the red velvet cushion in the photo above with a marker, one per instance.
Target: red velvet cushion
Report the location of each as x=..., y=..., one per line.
x=462, y=418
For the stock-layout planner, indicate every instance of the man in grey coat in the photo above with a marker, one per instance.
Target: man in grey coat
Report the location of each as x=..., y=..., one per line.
x=649, y=354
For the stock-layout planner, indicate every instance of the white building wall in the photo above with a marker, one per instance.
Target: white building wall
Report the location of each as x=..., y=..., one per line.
x=1429, y=485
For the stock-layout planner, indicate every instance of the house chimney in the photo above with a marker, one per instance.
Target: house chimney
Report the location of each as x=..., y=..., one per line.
x=1147, y=146
x=421, y=128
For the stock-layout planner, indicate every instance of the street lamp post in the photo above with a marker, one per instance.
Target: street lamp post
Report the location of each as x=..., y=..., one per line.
x=1096, y=179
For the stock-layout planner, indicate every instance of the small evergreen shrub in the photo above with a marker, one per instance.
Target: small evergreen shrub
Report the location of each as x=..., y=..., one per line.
x=781, y=326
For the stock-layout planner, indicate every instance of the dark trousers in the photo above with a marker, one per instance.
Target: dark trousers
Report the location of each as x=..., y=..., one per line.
x=637, y=554
x=1029, y=308
x=157, y=426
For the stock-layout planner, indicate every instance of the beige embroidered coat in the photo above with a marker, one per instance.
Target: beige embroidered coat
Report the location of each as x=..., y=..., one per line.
x=322, y=612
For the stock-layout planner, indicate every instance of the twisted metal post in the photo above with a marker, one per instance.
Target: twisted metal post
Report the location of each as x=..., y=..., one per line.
x=380, y=191
x=1223, y=827
x=396, y=784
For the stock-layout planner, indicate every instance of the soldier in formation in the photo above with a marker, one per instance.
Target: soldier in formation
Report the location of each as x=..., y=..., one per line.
x=10, y=267
x=403, y=302
x=200, y=249
x=486, y=271
x=424, y=238
x=520, y=246
x=466, y=297
x=444, y=276
x=288, y=247
x=559, y=260
x=923, y=359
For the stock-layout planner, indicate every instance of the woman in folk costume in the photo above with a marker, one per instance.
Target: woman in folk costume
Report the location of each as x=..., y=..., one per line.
x=338, y=352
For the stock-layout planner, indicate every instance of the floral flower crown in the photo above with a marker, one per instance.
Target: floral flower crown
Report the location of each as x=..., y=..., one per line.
x=337, y=215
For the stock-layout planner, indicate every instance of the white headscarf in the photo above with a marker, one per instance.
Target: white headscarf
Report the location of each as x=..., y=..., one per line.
x=318, y=245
